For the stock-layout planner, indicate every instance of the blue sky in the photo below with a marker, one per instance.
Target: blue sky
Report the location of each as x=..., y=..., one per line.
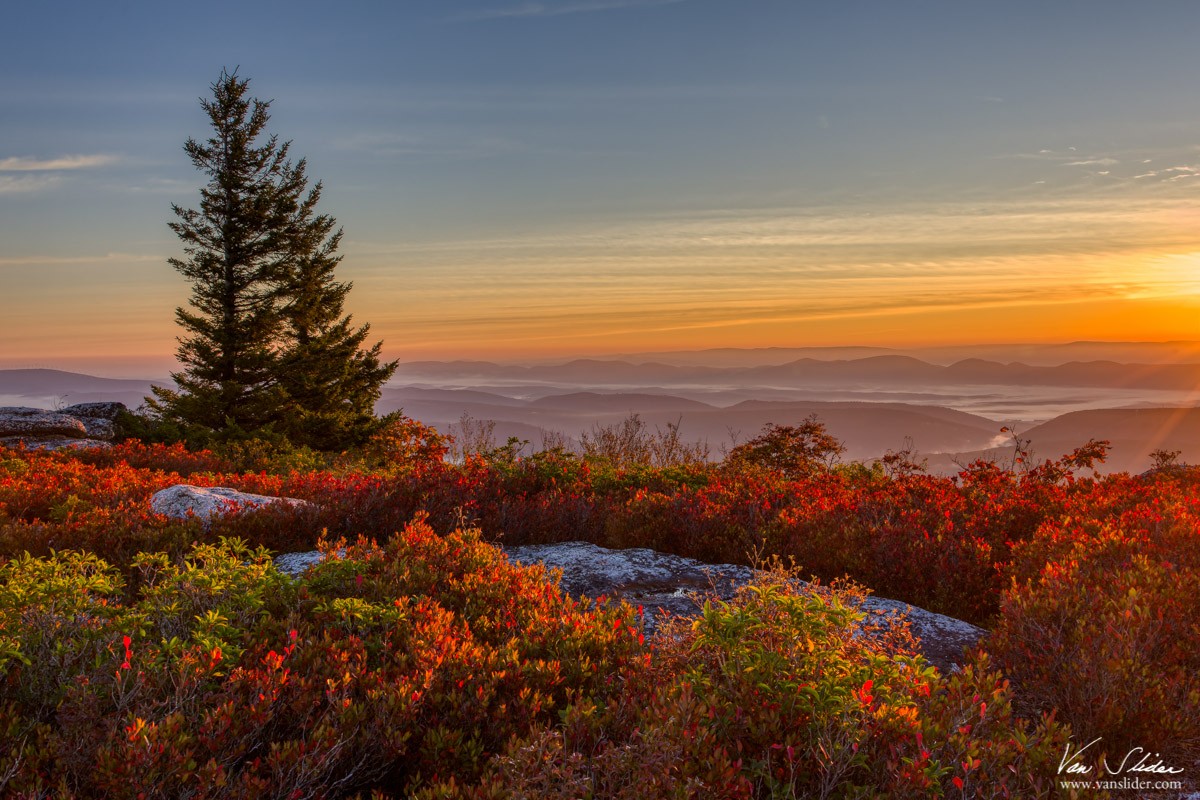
x=586, y=176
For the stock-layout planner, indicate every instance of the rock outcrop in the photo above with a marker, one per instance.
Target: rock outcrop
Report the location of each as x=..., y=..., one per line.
x=99, y=419
x=642, y=577
x=203, y=502
x=294, y=564
x=78, y=426
x=35, y=422
x=663, y=582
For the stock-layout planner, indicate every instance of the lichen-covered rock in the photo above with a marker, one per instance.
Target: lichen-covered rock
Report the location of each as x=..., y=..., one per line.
x=99, y=419
x=295, y=563
x=52, y=443
x=37, y=423
x=183, y=501
x=642, y=577
x=99, y=428
x=108, y=410
x=942, y=638
x=661, y=582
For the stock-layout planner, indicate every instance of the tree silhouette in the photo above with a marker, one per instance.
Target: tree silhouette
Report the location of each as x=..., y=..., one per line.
x=266, y=347
x=330, y=381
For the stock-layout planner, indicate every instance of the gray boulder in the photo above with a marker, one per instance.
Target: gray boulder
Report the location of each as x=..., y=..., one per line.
x=108, y=410
x=74, y=427
x=660, y=582
x=21, y=422
x=203, y=502
x=641, y=577
x=53, y=443
x=294, y=564
x=942, y=638
x=98, y=418
x=99, y=428
x=663, y=582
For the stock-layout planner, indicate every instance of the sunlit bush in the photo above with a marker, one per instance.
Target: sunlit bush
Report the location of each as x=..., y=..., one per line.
x=425, y=659
x=778, y=694
x=387, y=666
x=1104, y=626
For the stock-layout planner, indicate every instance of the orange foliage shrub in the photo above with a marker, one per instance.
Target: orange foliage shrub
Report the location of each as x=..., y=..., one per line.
x=388, y=666
x=1102, y=621
x=428, y=662
x=777, y=695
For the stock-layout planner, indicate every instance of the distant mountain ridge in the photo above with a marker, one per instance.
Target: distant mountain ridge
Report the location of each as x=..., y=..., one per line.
x=950, y=436
x=1133, y=434
x=898, y=370
x=49, y=381
x=60, y=387
x=1172, y=352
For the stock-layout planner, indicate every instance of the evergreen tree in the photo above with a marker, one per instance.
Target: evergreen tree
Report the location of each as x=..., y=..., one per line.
x=331, y=383
x=267, y=346
x=236, y=250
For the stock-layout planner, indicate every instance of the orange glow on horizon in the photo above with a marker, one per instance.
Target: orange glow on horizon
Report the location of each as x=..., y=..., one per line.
x=941, y=277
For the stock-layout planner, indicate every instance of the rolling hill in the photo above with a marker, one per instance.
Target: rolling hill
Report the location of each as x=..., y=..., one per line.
x=868, y=429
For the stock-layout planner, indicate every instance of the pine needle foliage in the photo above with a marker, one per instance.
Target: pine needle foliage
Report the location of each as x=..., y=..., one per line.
x=331, y=381
x=267, y=349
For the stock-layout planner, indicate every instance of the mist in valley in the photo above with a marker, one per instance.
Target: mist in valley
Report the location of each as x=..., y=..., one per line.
x=949, y=404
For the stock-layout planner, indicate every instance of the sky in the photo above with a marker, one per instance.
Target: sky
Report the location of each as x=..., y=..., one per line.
x=522, y=179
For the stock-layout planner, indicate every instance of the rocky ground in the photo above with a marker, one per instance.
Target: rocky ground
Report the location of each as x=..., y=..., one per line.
x=662, y=584
x=80, y=425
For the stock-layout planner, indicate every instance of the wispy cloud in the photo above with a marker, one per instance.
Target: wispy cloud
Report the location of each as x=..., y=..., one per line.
x=27, y=183
x=908, y=231
x=830, y=273
x=1170, y=173
x=17, y=164
x=1093, y=162
x=551, y=9
x=91, y=260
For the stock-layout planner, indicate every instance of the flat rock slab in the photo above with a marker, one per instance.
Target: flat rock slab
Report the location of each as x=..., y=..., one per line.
x=640, y=576
x=679, y=585
x=53, y=443
x=108, y=410
x=295, y=563
x=99, y=428
x=664, y=582
x=74, y=427
x=942, y=638
x=24, y=422
x=99, y=419
x=183, y=501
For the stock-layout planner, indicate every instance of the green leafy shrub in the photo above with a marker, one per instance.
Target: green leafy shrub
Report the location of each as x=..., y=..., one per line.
x=780, y=694
x=386, y=667
x=796, y=451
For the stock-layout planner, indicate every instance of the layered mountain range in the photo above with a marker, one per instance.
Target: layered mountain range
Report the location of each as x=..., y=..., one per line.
x=878, y=370
x=950, y=413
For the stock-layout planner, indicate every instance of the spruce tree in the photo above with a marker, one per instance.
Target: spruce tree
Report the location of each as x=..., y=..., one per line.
x=330, y=381
x=266, y=346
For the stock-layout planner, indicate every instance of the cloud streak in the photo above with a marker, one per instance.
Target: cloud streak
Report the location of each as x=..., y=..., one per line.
x=27, y=183
x=17, y=164
x=67, y=261
x=532, y=9
x=1089, y=162
x=1170, y=173
x=908, y=270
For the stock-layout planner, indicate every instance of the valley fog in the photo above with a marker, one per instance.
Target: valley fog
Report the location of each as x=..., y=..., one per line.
x=947, y=404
